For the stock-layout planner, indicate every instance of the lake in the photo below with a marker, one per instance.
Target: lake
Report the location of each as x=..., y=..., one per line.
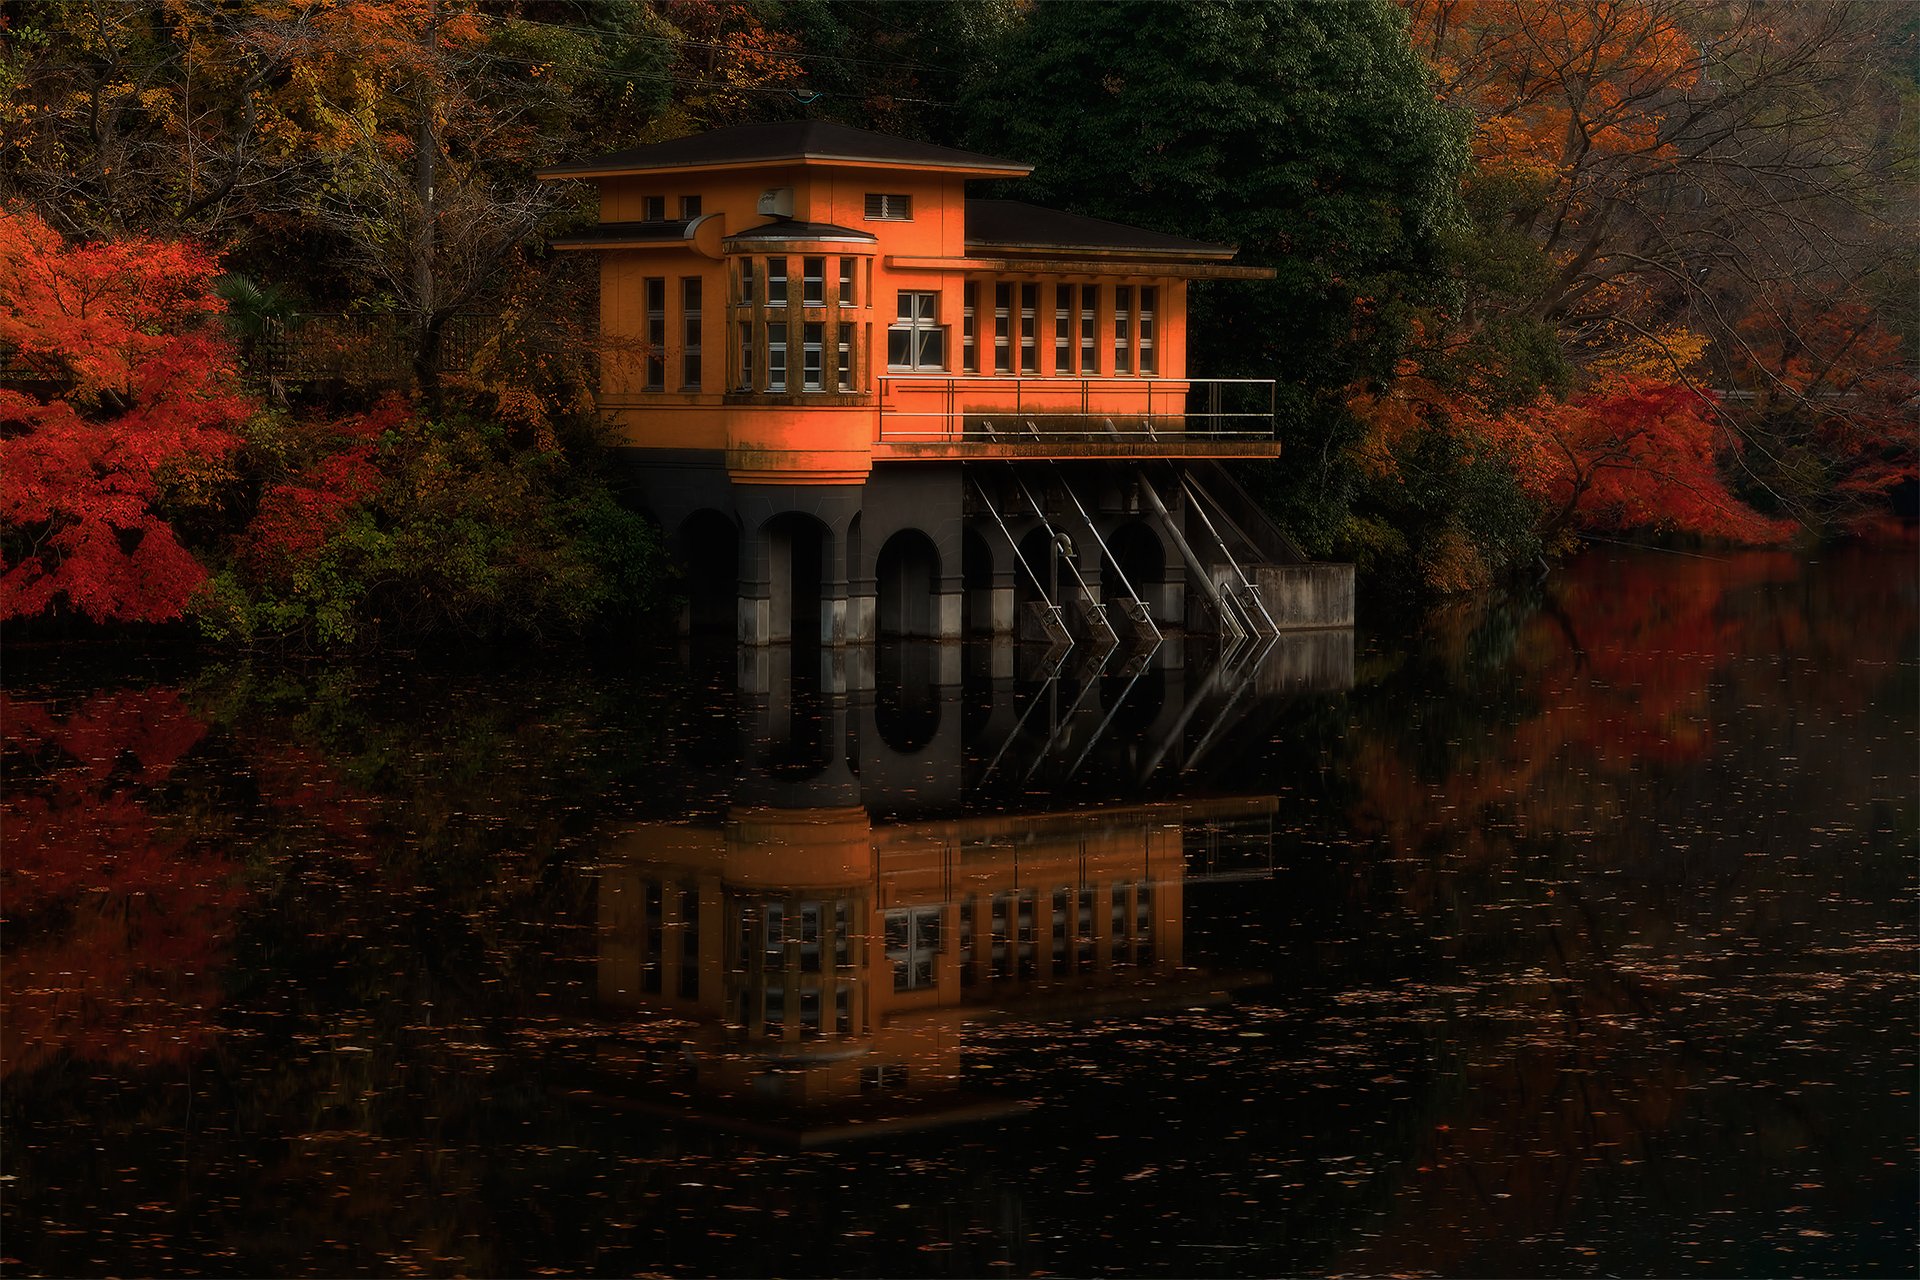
x=1571, y=932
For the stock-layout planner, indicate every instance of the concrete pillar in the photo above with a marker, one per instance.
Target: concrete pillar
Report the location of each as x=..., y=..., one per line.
x=756, y=585
x=949, y=607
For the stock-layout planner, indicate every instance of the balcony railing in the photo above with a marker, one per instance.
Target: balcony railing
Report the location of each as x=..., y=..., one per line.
x=920, y=407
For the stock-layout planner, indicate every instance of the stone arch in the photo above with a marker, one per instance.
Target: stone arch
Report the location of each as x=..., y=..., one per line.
x=1139, y=555
x=709, y=545
x=907, y=578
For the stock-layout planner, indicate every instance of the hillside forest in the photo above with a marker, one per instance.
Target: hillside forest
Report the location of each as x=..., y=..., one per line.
x=285, y=359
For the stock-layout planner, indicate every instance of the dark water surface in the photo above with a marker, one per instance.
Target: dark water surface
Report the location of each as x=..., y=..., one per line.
x=1569, y=934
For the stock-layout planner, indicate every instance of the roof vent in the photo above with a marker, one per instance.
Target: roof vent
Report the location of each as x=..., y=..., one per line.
x=777, y=202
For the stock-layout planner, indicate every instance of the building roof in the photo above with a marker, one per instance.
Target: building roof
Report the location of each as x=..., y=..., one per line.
x=785, y=140
x=1010, y=225
x=786, y=229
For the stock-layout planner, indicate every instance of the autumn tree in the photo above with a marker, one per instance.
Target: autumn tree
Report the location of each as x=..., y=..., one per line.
x=123, y=406
x=1681, y=171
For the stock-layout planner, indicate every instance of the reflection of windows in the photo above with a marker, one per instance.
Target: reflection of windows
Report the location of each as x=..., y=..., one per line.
x=889, y=208
x=885, y=1077
x=915, y=340
x=913, y=944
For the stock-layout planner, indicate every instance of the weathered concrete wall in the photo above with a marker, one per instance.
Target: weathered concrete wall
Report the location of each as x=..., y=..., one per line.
x=1305, y=596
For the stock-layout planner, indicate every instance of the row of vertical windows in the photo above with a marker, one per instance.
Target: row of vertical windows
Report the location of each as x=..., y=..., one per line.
x=793, y=351
x=816, y=338
x=1075, y=329
x=691, y=330
x=813, y=282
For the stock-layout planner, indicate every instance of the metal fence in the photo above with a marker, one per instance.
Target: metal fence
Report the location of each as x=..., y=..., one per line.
x=918, y=407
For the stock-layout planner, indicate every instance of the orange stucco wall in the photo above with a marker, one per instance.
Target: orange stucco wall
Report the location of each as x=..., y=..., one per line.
x=828, y=436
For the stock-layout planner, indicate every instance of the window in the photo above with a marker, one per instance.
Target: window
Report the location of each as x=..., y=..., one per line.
x=656, y=287
x=1123, y=329
x=813, y=282
x=1063, y=330
x=690, y=333
x=653, y=208
x=969, y=322
x=776, y=282
x=913, y=943
x=746, y=280
x=1148, y=296
x=843, y=367
x=1002, y=328
x=776, y=357
x=848, y=267
x=1029, y=353
x=1089, y=320
x=810, y=355
x=889, y=208
x=689, y=206
x=746, y=357
x=915, y=340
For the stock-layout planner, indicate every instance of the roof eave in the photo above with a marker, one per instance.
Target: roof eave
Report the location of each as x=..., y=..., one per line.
x=969, y=169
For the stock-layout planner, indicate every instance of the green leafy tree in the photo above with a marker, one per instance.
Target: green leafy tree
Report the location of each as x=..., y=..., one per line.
x=1306, y=134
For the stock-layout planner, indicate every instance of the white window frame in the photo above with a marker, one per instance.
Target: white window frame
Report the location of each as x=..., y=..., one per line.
x=918, y=312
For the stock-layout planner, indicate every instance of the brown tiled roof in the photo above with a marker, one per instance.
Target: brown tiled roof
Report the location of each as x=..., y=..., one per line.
x=786, y=140
x=1009, y=225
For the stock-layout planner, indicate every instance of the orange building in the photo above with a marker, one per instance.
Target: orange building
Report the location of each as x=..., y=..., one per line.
x=862, y=403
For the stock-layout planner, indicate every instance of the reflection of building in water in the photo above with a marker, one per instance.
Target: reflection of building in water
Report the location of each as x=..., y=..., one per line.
x=812, y=954
x=827, y=964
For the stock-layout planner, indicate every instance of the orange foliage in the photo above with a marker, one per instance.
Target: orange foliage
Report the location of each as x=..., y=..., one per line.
x=1552, y=84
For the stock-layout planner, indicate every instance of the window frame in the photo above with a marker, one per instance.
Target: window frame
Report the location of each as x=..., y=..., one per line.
x=919, y=319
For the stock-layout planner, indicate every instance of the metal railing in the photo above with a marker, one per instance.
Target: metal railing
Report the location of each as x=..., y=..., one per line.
x=919, y=407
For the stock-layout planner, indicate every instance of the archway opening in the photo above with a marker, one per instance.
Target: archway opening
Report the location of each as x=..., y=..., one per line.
x=709, y=544
x=1036, y=578
x=906, y=576
x=797, y=576
x=976, y=582
x=1136, y=551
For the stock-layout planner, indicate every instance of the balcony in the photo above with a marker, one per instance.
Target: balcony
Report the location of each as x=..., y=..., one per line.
x=929, y=417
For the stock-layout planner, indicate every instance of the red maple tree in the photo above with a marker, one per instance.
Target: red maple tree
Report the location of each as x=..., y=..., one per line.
x=121, y=394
